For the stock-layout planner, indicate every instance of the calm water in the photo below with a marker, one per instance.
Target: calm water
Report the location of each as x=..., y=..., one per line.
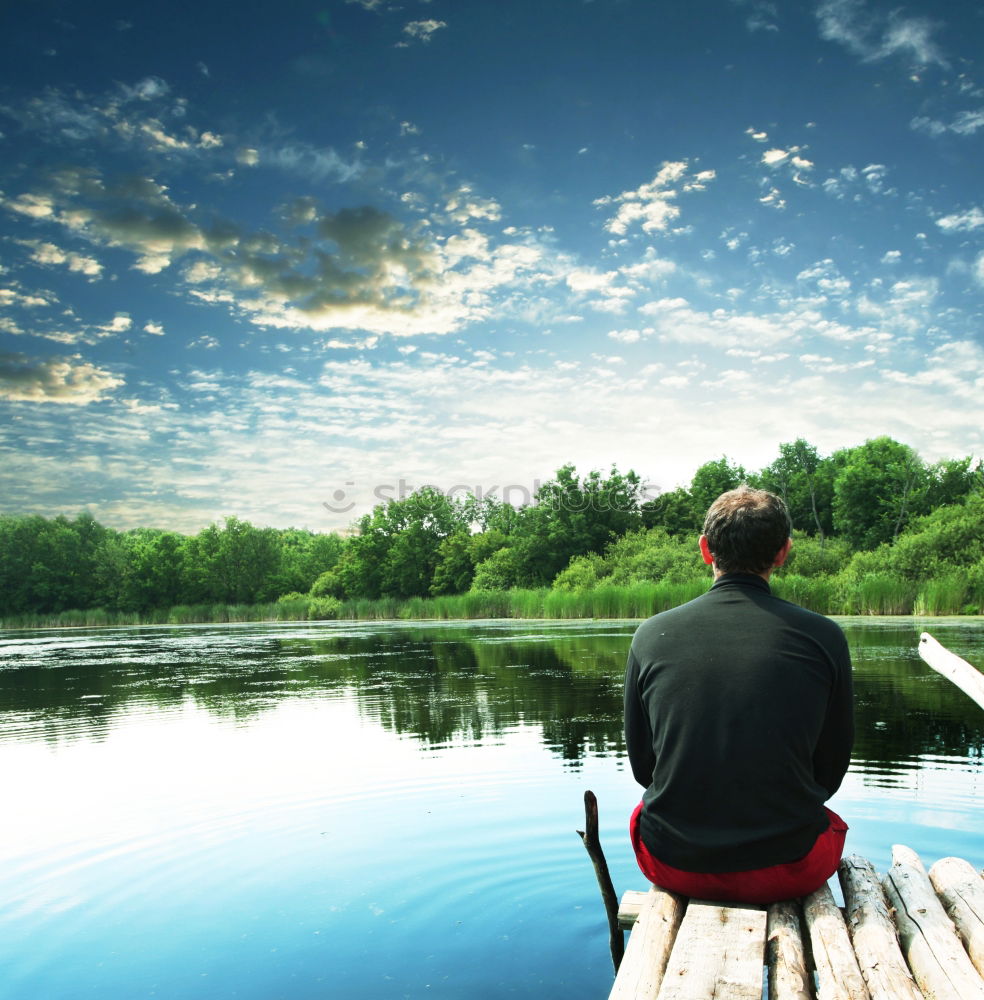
x=377, y=810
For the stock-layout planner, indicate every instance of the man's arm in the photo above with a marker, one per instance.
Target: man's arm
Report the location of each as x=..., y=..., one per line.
x=832, y=755
x=638, y=732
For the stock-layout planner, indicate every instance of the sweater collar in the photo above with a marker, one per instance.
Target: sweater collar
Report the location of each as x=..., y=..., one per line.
x=742, y=580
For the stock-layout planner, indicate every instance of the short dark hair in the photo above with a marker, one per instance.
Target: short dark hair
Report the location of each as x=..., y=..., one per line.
x=745, y=530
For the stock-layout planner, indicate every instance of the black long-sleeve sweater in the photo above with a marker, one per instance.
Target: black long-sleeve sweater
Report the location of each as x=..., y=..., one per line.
x=739, y=723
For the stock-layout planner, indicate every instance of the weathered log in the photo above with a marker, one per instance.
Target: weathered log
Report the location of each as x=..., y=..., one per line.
x=650, y=943
x=966, y=677
x=961, y=891
x=788, y=976
x=837, y=968
x=589, y=837
x=929, y=941
x=873, y=934
x=719, y=952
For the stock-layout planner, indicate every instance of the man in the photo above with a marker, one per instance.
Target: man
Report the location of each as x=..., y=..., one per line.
x=739, y=723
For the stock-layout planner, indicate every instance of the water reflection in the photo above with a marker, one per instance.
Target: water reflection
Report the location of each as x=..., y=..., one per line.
x=445, y=684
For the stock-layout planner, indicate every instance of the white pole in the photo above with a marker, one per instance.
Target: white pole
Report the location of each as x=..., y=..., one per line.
x=969, y=679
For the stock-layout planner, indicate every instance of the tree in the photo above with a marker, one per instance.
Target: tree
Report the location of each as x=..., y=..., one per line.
x=673, y=511
x=571, y=517
x=457, y=557
x=882, y=485
x=234, y=564
x=805, y=482
x=396, y=550
x=711, y=480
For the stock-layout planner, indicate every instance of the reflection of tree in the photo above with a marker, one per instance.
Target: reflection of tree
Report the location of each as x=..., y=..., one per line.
x=445, y=684
x=903, y=710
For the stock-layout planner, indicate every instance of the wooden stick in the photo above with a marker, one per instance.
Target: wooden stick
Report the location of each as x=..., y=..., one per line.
x=968, y=678
x=934, y=952
x=589, y=837
x=837, y=968
x=961, y=890
x=873, y=934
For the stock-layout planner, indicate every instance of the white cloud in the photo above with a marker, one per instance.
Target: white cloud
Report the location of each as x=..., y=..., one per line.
x=50, y=254
x=422, y=31
x=965, y=123
x=962, y=222
x=154, y=328
x=873, y=34
x=653, y=205
x=53, y=380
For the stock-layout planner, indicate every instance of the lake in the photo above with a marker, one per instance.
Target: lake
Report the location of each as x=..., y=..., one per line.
x=378, y=810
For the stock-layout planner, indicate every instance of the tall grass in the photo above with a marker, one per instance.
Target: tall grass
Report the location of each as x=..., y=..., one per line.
x=841, y=594
x=948, y=595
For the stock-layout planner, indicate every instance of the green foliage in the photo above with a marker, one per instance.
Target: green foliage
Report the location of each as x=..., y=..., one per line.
x=711, y=480
x=881, y=487
x=503, y=570
x=324, y=608
x=675, y=511
x=639, y=557
x=908, y=538
x=806, y=484
x=813, y=556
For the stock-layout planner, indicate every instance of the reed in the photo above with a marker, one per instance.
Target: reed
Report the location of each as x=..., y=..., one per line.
x=880, y=594
x=947, y=595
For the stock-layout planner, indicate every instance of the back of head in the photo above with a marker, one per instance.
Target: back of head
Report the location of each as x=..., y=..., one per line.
x=745, y=530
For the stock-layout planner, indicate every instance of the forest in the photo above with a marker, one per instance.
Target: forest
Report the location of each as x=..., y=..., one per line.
x=876, y=531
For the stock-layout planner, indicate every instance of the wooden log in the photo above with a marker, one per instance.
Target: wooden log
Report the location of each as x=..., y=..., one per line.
x=788, y=976
x=837, y=968
x=961, y=891
x=719, y=952
x=630, y=907
x=873, y=934
x=968, y=678
x=650, y=943
x=929, y=941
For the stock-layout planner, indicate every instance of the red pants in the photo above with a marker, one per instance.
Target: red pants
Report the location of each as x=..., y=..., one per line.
x=760, y=885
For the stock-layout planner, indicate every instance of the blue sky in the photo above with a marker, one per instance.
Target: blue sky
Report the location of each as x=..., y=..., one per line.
x=259, y=259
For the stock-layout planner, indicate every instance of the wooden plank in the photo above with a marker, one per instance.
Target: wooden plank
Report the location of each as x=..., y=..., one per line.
x=719, y=952
x=929, y=941
x=967, y=677
x=629, y=908
x=788, y=977
x=961, y=891
x=650, y=943
x=873, y=934
x=837, y=968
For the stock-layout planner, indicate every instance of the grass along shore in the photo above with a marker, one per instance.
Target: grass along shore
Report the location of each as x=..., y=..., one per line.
x=874, y=594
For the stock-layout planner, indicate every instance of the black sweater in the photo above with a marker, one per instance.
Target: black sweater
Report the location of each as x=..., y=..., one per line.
x=739, y=723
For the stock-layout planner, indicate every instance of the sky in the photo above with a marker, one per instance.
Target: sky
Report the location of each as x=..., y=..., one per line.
x=282, y=261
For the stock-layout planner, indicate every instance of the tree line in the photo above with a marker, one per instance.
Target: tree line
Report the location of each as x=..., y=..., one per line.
x=577, y=533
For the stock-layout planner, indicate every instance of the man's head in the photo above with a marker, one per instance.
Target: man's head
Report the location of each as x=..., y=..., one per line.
x=746, y=531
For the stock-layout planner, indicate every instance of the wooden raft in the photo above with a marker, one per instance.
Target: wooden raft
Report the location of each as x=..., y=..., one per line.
x=910, y=935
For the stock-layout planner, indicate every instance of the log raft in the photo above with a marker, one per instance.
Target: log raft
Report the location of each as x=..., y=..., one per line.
x=907, y=936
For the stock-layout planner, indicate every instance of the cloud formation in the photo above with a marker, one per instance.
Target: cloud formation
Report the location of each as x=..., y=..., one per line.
x=53, y=380
x=653, y=206
x=874, y=35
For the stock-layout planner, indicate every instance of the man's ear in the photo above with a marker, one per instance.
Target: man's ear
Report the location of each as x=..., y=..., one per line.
x=705, y=551
x=783, y=553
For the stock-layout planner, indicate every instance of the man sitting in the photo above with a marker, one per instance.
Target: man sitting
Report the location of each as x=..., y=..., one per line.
x=739, y=724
